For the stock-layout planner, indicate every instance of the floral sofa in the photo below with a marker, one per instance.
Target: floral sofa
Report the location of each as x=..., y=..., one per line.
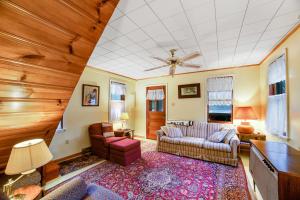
x=195, y=144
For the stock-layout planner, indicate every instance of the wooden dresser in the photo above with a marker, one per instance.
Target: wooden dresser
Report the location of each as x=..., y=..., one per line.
x=275, y=168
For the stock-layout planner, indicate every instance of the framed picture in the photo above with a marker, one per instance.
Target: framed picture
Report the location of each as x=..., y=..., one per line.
x=189, y=91
x=90, y=95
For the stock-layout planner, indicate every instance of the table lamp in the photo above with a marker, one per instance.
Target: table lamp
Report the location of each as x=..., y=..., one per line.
x=25, y=158
x=245, y=113
x=124, y=117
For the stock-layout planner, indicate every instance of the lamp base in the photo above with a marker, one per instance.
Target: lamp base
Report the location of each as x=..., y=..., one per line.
x=245, y=128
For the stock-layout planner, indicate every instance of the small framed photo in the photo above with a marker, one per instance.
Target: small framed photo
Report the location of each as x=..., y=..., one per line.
x=90, y=95
x=189, y=91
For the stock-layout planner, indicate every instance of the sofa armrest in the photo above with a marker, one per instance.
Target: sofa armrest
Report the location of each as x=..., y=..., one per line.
x=159, y=133
x=98, y=137
x=234, y=143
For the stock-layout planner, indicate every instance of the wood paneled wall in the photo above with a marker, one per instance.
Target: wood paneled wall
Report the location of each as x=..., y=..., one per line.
x=44, y=47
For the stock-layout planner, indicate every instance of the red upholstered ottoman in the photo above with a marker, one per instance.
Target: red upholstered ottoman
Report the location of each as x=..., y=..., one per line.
x=125, y=151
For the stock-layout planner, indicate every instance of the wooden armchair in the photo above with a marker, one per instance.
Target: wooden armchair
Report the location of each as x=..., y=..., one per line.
x=99, y=143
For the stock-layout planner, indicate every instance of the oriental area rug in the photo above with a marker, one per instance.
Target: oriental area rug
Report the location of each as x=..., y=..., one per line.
x=165, y=176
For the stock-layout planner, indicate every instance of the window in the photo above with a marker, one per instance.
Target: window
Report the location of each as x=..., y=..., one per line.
x=60, y=127
x=156, y=100
x=219, y=99
x=276, y=120
x=117, y=100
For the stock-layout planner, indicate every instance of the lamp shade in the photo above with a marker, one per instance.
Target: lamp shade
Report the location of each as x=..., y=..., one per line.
x=124, y=116
x=245, y=113
x=27, y=156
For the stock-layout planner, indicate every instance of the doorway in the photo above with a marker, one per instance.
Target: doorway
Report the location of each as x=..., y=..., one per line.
x=155, y=110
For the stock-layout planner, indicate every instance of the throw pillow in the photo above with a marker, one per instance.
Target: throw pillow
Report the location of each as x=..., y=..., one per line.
x=108, y=134
x=164, y=129
x=107, y=127
x=230, y=134
x=174, y=132
x=217, y=136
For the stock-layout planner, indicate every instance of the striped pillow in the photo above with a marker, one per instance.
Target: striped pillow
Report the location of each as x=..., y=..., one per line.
x=218, y=136
x=230, y=134
x=174, y=132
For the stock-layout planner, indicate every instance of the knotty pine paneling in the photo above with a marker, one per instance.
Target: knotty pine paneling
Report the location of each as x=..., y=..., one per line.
x=44, y=47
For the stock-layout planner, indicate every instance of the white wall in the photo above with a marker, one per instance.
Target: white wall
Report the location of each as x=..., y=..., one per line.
x=78, y=118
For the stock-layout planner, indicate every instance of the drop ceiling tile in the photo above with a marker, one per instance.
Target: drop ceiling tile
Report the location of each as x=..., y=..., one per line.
x=251, y=38
x=205, y=28
x=155, y=29
x=182, y=34
x=122, y=52
x=229, y=7
x=112, y=55
x=101, y=41
x=147, y=44
x=289, y=6
x=123, y=25
x=137, y=35
x=227, y=43
x=110, y=33
x=166, y=8
x=175, y=22
x=230, y=22
x=284, y=20
x=262, y=12
x=100, y=51
x=205, y=12
x=188, y=43
x=276, y=33
x=138, y=16
x=231, y=34
x=123, y=41
x=116, y=14
x=129, y=5
x=110, y=45
x=134, y=48
x=189, y=4
x=257, y=27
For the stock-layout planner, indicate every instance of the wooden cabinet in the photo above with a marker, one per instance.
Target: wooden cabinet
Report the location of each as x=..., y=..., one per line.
x=275, y=168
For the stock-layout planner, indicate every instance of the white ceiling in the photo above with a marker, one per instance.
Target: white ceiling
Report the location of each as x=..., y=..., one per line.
x=227, y=32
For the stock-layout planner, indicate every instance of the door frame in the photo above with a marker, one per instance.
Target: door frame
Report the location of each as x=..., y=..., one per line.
x=166, y=102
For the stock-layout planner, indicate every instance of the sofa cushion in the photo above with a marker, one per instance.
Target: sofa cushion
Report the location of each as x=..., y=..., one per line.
x=198, y=130
x=73, y=190
x=191, y=141
x=125, y=145
x=174, y=132
x=217, y=146
x=218, y=136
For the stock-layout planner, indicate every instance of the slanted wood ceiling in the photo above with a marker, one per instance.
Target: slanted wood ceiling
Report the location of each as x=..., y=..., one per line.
x=44, y=46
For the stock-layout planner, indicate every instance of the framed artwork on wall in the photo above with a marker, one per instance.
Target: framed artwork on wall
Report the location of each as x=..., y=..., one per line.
x=90, y=95
x=189, y=91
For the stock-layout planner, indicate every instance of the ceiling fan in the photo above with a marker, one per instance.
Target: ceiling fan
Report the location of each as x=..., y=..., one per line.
x=174, y=61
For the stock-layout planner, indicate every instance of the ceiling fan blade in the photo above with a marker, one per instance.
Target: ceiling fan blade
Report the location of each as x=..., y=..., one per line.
x=190, y=65
x=146, y=70
x=190, y=56
x=160, y=59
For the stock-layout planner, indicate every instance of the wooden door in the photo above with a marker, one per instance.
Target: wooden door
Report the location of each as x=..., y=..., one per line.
x=155, y=113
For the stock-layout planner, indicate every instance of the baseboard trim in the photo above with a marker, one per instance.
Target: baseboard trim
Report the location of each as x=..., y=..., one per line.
x=70, y=157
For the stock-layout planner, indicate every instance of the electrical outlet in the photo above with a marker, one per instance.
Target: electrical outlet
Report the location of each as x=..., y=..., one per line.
x=67, y=142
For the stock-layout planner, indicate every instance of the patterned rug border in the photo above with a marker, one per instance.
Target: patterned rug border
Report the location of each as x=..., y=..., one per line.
x=107, y=161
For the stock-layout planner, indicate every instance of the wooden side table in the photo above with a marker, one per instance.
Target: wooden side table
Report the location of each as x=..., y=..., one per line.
x=245, y=139
x=30, y=192
x=125, y=132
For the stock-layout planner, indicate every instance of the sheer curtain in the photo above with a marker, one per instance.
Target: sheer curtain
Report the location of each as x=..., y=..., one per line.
x=220, y=90
x=117, y=100
x=276, y=120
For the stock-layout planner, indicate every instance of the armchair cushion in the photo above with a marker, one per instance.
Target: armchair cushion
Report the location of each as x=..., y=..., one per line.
x=107, y=127
x=95, y=129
